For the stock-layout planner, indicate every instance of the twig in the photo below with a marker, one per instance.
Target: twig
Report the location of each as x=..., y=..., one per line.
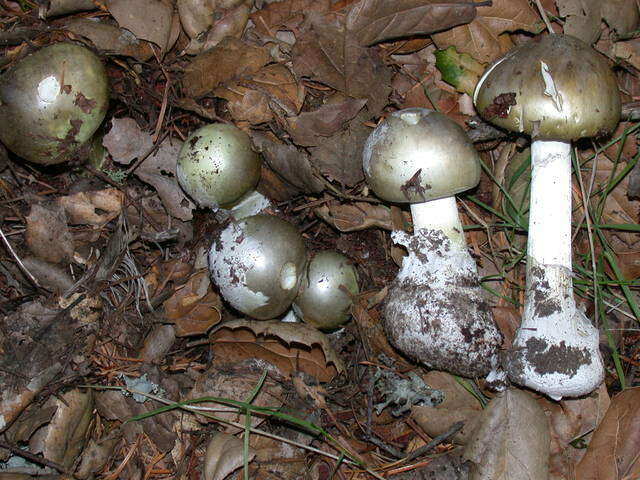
x=455, y=428
x=27, y=273
x=34, y=458
x=543, y=14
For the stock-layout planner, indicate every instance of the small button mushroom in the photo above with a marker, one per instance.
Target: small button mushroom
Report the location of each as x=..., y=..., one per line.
x=51, y=103
x=435, y=311
x=258, y=264
x=556, y=89
x=217, y=167
x=321, y=301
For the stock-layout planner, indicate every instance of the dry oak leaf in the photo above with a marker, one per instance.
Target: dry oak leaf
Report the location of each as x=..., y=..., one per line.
x=373, y=21
x=289, y=346
x=613, y=451
x=230, y=59
x=325, y=51
x=194, y=307
x=151, y=20
x=482, y=37
x=288, y=15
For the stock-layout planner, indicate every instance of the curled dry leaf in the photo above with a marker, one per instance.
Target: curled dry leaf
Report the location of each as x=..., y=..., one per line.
x=354, y=216
x=236, y=380
x=290, y=163
x=110, y=39
x=231, y=58
x=150, y=20
x=289, y=346
x=96, y=207
x=194, y=307
x=207, y=22
x=373, y=21
x=613, y=451
x=325, y=51
x=311, y=128
x=458, y=406
x=64, y=7
x=225, y=454
x=482, y=37
x=512, y=440
x=47, y=234
x=126, y=141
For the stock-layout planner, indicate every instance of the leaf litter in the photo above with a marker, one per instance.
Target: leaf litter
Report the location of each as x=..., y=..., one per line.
x=102, y=281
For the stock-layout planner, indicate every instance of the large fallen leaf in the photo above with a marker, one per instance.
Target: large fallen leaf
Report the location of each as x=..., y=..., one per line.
x=194, y=307
x=289, y=346
x=482, y=37
x=236, y=379
x=225, y=453
x=312, y=128
x=621, y=15
x=325, y=51
x=149, y=20
x=512, y=440
x=458, y=406
x=231, y=58
x=126, y=141
x=289, y=162
x=373, y=21
x=110, y=38
x=582, y=18
x=613, y=452
x=47, y=234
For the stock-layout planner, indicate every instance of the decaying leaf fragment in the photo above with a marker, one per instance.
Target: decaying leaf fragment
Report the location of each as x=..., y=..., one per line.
x=95, y=207
x=47, y=234
x=225, y=453
x=289, y=346
x=512, y=440
x=354, y=216
x=373, y=21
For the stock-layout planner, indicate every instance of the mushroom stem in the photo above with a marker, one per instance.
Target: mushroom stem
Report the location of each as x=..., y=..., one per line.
x=555, y=350
x=440, y=214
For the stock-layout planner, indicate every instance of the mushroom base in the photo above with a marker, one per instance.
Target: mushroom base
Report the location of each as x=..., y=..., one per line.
x=555, y=351
x=435, y=312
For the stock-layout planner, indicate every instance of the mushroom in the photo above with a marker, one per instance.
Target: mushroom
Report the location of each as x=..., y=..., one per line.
x=321, y=301
x=51, y=103
x=435, y=311
x=218, y=169
x=556, y=89
x=257, y=263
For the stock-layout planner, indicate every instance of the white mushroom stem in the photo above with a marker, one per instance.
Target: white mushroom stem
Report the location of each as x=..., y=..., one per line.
x=556, y=347
x=440, y=214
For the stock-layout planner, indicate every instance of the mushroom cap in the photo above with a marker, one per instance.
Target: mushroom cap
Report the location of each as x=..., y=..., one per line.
x=51, y=103
x=216, y=165
x=554, y=87
x=416, y=155
x=321, y=302
x=258, y=264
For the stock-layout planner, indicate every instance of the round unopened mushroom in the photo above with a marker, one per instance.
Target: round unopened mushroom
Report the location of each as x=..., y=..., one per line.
x=556, y=89
x=322, y=302
x=258, y=264
x=434, y=311
x=216, y=165
x=51, y=103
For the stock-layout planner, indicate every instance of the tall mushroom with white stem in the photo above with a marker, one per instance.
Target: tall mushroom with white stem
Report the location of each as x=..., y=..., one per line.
x=556, y=89
x=435, y=311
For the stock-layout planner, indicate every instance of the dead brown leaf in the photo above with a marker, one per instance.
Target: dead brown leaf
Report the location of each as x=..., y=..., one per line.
x=482, y=37
x=354, y=216
x=621, y=15
x=194, y=307
x=286, y=15
x=287, y=161
x=225, y=453
x=95, y=207
x=629, y=51
x=312, y=128
x=47, y=234
x=280, y=86
x=373, y=21
x=245, y=104
x=582, y=18
x=110, y=39
x=613, y=451
x=325, y=51
x=231, y=58
x=149, y=20
x=126, y=141
x=512, y=440
x=289, y=346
